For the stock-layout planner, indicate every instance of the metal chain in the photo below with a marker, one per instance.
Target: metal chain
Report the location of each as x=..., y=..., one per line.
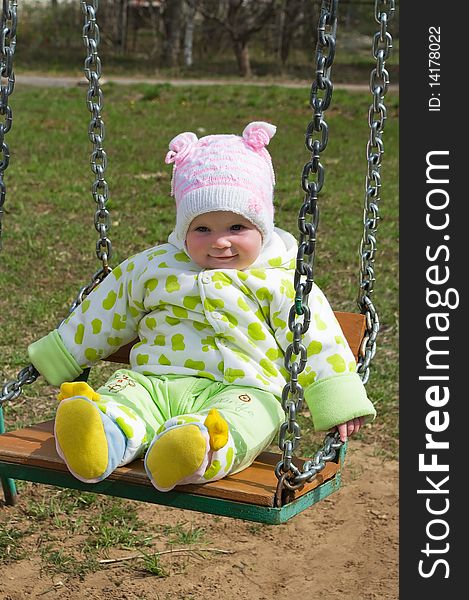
x=13, y=388
x=7, y=84
x=312, y=180
x=377, y=114
x=87, y=289
x=96, y=133
x=289, y=476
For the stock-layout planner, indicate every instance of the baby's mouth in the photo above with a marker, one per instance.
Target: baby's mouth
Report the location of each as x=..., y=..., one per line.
x=224, y=257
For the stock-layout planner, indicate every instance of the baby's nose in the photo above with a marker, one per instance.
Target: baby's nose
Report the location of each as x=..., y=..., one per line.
x=221, y=242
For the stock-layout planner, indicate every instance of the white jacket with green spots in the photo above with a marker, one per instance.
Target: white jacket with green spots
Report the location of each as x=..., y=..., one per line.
x=226, y=325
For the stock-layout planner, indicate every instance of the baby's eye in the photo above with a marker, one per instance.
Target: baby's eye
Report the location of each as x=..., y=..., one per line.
x=202, y=229
x=237, y=227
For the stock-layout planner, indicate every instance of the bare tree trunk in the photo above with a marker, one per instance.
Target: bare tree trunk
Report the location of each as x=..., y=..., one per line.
x=122, y=25
x=310, y=24
x=279, y=26
x=172, y=32
x=242, y=57
x=292, y=11
x=155, y=21
x=189, y=33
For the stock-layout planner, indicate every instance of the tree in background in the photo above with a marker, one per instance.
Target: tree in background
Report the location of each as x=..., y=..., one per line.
x=290, y=17
x=200, y=35
x=241, y=19
x=191, y=6
x=296, y=19
x=172, y=25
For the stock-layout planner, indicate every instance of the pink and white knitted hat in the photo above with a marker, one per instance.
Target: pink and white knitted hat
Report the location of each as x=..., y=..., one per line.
x=224, y=173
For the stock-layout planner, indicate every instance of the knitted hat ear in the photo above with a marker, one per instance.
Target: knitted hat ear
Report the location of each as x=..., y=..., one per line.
x=180, y=146
x=258, y=134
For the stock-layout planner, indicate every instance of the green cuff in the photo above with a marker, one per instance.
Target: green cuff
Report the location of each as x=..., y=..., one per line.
x=52, y=359
x=337, y=399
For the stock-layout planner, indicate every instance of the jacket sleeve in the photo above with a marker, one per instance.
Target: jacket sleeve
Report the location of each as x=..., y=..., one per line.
x=333, y=390
x=106, y=320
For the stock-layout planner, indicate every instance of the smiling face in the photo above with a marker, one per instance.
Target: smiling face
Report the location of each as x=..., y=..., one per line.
x=223, y=240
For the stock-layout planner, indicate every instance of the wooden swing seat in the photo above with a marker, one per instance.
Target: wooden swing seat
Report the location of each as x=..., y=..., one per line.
x=30, y=454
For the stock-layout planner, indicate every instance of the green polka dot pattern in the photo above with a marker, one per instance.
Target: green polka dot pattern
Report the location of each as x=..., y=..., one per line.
x=229, y=326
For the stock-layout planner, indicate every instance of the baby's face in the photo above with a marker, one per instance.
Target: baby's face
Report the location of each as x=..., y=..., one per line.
x=223, y=240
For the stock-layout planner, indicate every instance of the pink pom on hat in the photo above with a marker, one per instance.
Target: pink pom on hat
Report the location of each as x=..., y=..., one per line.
x=224, y=173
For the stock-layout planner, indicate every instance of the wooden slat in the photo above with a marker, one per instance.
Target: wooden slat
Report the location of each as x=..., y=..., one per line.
x=353, y=325
x=35, y=446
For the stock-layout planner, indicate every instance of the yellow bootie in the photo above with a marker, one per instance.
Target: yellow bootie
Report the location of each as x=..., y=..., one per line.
x=176, y=455
x=182, y=452
x=88, y=441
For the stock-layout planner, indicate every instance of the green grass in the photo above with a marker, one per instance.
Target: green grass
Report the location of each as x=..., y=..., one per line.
x=49, y=241
x=10, y=544
x=184, y=535
x=72, y=530
x=116, y=526
x=152, y=565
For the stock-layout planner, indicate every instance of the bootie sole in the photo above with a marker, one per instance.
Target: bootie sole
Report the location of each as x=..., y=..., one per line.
x=177, y=455
x=83, y=435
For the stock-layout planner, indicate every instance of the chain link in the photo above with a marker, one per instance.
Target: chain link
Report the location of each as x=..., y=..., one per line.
x=13, y=388
x=311, y=467
x=7, y=84
x=96, y=134
x=312, y=180
x=377, y=114
x=87, y=289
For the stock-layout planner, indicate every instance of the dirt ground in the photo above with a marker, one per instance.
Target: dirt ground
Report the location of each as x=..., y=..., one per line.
x=343, y=547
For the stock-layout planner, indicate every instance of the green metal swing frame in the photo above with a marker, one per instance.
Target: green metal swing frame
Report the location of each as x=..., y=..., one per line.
x=223, y=507
x=131, y=483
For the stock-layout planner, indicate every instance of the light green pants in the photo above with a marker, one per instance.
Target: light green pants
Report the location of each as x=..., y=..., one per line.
x=141, y=404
